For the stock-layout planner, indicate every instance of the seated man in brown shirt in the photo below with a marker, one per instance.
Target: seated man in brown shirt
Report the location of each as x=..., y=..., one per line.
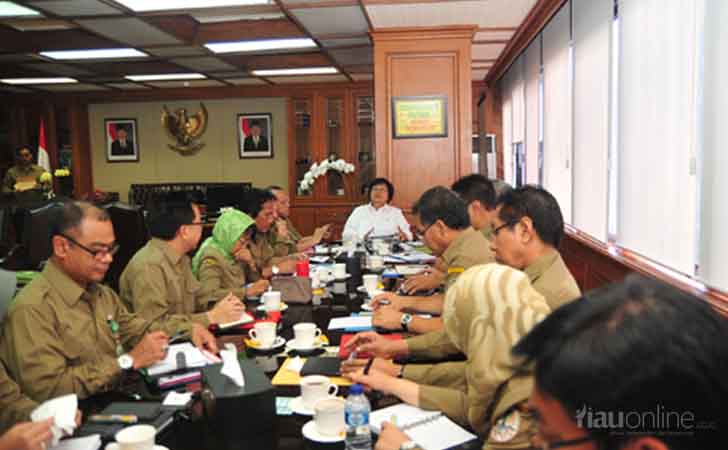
x=158, y=283
x=288, y=237
x=66, y=333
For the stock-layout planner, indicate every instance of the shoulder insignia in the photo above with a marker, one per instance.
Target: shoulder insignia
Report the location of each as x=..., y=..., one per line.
x=455, y=269
x=506, y=428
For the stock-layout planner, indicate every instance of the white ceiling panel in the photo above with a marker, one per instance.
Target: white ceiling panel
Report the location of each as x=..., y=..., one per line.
x=487, y=51
x=76, y=7
x=364, y=40
x=484, y=13
x=493, y=35
x=127, y=86
x=72, y=87
x=345, y=19
x=309, y=79
x=245, y=81
x=205, y=64
x=353, y=56
x=39, y=24
x=180, y=84
x=58, y=69
x=170, y=52
x=129, y=30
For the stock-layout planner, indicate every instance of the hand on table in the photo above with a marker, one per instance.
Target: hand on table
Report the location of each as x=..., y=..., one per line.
x=152, y=348
x=257, y=288
x=391, y=437
x=28, y=436
x=387, y=318
x=203, y=339
x=375, y=344
x=423, y=282
x=396, y=302
x=374, y=380
x=229, y=309
x=402, y=235
x=382, y=365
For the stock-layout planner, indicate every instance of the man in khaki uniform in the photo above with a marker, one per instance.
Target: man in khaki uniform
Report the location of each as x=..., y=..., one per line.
x=158, y=283
x=443, y=222
x=65, y=333
x=288, y=237
x=14, y=406
x=489, y=308
x=479, y=196
x=528, y=229
x=261, y=206
x=24, y=172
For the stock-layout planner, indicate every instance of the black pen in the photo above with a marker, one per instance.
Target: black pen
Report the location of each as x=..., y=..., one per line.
x=368, y=366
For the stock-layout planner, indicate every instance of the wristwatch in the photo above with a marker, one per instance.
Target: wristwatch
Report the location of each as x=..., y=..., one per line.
x=126, y=362
x=409, y=445
x=405, y=321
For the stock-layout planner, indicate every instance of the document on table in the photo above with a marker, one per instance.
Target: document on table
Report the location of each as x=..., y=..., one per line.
x=339, y=323
x=92, y=442
x=187, y=352
x=431, y=430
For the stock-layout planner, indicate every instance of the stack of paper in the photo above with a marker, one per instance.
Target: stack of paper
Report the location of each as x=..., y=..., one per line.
x=92, y=442
x=193, y=357
x=245, y=318
x=351, y=323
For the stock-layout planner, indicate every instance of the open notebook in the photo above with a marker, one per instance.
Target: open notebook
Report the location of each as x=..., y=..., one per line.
x=431, y=430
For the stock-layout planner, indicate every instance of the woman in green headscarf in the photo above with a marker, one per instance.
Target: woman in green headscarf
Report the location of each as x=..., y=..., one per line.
x=221, y=261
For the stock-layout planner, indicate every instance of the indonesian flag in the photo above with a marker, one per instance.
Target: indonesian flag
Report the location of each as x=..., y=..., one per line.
x=245, y=127
x=111, y=131
x=43, y=159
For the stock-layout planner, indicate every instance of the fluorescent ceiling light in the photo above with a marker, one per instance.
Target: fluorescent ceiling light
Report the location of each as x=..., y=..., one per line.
x=38, y=80
x=301, y=71
x=95, y=54
x=166, y=77
x=260, y=45
x=215, y=18
x=161, y=5
x=10, y=9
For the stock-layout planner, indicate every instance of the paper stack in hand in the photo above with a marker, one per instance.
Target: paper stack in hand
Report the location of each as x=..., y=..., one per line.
x=63, y=410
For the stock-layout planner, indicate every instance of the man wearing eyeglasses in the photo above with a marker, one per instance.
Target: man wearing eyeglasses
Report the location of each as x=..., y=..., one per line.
x=527, y=231
x=638, y=365
x=66, y=333
x=158, y=283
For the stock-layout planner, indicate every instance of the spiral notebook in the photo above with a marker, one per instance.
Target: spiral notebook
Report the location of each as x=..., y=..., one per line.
x=431, y=430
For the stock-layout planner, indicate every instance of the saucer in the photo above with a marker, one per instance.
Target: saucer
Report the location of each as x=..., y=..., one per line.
x=279, y=342
x=284, y=306
x=366, y=307
x=115, y=446
x=345, y=277
x=292, y=345
x=310, y=432
x=363, y=290
x=298, y=408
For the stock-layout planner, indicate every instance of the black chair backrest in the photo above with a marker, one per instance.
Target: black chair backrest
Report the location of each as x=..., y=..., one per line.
x=131, y=233
x=37, y=235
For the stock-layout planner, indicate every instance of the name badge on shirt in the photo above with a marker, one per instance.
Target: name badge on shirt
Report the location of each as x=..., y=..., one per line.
x=455, y=270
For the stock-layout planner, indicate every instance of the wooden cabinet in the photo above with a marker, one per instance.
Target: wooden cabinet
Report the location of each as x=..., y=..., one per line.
x=330, y=123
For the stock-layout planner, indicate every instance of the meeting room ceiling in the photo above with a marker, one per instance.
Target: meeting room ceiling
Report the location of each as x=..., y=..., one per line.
x=173, y=41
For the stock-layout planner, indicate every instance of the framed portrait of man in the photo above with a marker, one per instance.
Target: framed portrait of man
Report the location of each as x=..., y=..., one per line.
x=122, y=144
x=255, y=135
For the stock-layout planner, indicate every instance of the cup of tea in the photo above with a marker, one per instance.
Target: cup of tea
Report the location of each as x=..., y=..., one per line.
x=264, y=333
x=315, y=388
x=136, y=437
x=328, y=415
x=371, y=283
x=271, y=300
x=340, y=270
x=305, y=334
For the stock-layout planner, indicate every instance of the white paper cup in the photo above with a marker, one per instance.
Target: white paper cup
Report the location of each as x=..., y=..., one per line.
x=340, y=270
x=136, y=437
x=321, y=249
x=315, y=388
x=271, y=300
x=371, y=283
x=305, y=334
x=264, y=333
x=329, y=416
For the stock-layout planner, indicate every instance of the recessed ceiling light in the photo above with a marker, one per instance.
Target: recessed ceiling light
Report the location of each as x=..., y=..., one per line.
x=10, y=9
x=103, y=53
x=166, y=77
x=38, y=80
x=301, y=71
x=260, y=45
x=161, y=5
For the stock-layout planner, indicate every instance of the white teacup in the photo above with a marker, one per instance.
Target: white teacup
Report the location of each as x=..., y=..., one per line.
x=305, y=334
x=329, y=416
x=264, y=333
x=339, y=270
x=376, y=262
x=321, y=249
x=136, y=437
x=371, y=282
x=271, y=300
x=315, y=388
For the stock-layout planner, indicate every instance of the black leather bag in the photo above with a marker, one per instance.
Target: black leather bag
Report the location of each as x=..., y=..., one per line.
x=293, y=289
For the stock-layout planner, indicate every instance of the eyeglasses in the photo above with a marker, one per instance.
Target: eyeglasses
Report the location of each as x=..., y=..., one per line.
x=507, y=224
x=421, y=235
x=98, y=254
x=559, y=444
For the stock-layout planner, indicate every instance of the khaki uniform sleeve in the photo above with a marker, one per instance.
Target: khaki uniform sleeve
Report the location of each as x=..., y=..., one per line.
x=35, y=346
x=284, y=248
x=132, y=327
x=448, y=374
x=211, y=278
x=9, y=181
x=452, y=402
x=14, y=406
x=149, y=298
x=435, y=344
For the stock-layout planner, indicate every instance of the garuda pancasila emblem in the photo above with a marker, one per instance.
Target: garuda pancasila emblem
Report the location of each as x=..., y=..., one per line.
x=183, y=129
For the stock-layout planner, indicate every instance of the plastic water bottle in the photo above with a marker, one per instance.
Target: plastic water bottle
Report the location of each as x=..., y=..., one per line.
x=356, y=411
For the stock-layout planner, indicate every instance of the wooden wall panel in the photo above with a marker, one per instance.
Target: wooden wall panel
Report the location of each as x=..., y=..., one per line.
x=421, y=62
x=304, y=220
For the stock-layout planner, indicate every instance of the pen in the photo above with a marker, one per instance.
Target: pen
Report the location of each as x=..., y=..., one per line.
x=176, y=337
x=352, y=356
x=368, y=366
x=113, y=418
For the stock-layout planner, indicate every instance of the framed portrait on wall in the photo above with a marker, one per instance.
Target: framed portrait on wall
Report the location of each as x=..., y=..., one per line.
x=122, y=144
x=255, y=135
